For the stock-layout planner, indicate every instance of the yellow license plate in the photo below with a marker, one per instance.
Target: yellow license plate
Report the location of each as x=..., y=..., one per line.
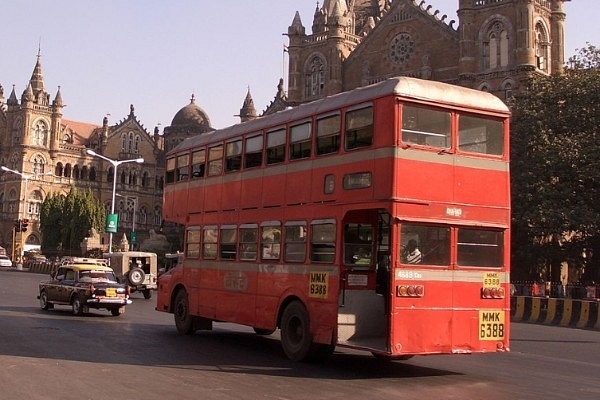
x=491, y=325
x=111, y=292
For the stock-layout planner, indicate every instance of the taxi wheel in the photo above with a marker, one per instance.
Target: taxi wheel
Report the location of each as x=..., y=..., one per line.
x=77, y=305
x=117, y=311
x=136, y=276
x=44, y=301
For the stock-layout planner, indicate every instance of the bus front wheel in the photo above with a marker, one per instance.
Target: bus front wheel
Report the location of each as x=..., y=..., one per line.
x=295, y=332
x=181, y=310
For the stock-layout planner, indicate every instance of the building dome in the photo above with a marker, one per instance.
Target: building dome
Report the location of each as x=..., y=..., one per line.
x=191, y=115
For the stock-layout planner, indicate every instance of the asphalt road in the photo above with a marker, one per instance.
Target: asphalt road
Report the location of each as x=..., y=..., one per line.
x=139, y=355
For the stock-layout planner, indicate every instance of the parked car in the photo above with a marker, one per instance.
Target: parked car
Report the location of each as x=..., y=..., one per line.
x=84, y=286
x=5, y=261
x=136, y=268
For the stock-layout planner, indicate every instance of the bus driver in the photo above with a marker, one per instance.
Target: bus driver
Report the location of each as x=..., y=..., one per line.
x=412, y=254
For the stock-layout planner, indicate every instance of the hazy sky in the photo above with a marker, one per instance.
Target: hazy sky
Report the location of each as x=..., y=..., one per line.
x=108, y=54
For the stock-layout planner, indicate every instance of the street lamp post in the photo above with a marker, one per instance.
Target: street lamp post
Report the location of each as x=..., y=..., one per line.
x=26, y=178
x=115, y=164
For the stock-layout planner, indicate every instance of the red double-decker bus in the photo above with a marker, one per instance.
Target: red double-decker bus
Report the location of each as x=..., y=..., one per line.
x=375, y=219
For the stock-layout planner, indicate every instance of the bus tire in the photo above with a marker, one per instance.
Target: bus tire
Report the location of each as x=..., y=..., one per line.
x=181, y=311
x=295, y=332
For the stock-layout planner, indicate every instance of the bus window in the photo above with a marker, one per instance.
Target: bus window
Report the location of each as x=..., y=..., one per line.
x=426, y=127
x=192, y=242
x=425, y=244
x=300, y=141
x=480, y=135
x=228, y=243
x=270, y=241
x=209, y=243
x=328, y=134
x=322, y=241
x=198, y=163
x=170, y=175
x=215, y=160
x=480, y=248
x=276, y=146
x=358, y=245
x=248, y=242
x=359, y=128
x=295, y=241
x=233, y=156
x=253, y=152
x=183, y=167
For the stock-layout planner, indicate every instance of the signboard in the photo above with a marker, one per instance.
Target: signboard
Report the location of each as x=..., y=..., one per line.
x=133, y=238
x=112, y=221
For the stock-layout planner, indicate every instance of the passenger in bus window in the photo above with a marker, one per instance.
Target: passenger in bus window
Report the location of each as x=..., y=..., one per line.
x=411, y=253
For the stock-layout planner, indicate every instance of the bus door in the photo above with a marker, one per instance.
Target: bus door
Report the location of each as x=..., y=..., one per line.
x=363, y=314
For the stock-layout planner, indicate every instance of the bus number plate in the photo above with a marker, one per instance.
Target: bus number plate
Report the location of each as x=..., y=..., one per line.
x=319, y=285
x=491, y=325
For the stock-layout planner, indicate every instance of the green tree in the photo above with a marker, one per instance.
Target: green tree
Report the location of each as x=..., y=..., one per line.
x=66, y=220
x=555, y=168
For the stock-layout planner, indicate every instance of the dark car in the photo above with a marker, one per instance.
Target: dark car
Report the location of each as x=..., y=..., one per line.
x=84, y=286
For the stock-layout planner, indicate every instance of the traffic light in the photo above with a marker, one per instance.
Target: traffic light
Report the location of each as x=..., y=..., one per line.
x=24, y=224
x=18, y=225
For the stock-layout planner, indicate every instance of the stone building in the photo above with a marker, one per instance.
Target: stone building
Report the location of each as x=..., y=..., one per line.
x=495, y=45
x=41, y=152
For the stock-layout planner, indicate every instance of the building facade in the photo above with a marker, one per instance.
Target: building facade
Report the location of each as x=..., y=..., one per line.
x=42, y=153
x=495, y=46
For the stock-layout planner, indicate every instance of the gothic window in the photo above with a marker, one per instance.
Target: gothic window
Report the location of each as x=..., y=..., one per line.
x=67, y=172
x=136, y=149
x=1, y=202
x=76, y=172
x=58, y=171
x=110, y=174
x=143, y=215
x=315, y=77
x=84, y=173
x=145, y=180
x=40, y=133
x=495, y=47
x=401, y=48
x=123, y=143
x=12, y=201
x=92, y=174
x=123, y=177
x=122, y=212
x=38, y=164
x=157, y=216
x=17, y=131
x=508, y=90
x=130, y=142
x=34, y=203
x=542, y=47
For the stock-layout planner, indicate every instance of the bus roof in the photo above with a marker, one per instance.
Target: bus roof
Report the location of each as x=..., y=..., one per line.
x=411, y=88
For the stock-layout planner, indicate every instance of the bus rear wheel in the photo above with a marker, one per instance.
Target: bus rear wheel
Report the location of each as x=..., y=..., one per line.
x=295, y=332
x=181, y=310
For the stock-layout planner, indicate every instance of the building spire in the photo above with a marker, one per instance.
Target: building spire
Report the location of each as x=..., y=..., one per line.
x=37, y=78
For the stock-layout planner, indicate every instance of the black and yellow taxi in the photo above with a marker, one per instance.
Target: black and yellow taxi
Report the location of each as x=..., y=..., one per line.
x=84, y=285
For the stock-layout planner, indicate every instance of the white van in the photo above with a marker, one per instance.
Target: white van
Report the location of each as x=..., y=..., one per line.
x=136, y=268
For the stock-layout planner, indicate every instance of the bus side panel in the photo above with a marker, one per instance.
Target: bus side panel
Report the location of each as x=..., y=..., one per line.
x=420, y=180
x=251, y=192
x=296, y=186
x=231, y=193
x=197, y=194
x=273, y=190
x=207, y=297
x=236, y=295
x=213, y=196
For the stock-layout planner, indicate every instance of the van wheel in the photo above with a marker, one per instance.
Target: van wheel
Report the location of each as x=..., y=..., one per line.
x=295, y=332
x=181, y=310
x=147, y=294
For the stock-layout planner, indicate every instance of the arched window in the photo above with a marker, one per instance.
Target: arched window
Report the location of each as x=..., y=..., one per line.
x=58, y=171
x=17, y=131
x=157, y=216
x=542, y=47
x=145, y=179
x=130, y=142
x=143, y=215
x=110, y=174
x=495, y=47
x=40, y=133
x=1, y=202
x=67, y=172
x=124, y=143
x=92, y=174
x=315, y=77
x=38, y=164
x=123, y=177
x=84, y=172
x=76, y=172
x=137, y=144
x=34, y=203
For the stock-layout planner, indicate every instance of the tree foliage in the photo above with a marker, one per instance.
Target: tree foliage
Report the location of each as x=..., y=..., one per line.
x=66, y=220
x=555, y=166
